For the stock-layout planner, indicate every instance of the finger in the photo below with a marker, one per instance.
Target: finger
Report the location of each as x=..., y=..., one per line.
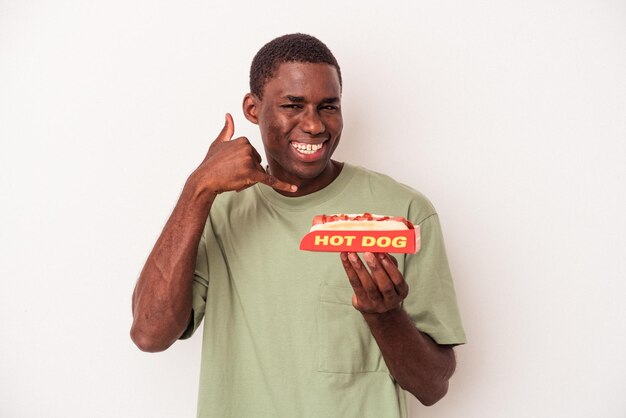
x=260, y=176
x=245, y=187
x=256, y=155
x=388, y=257
x=227, y=131
x=390, y=264
x=353, y=277
x=273, y=182
x=366, y=280
x=258, y=167
x=249, y=148
x=385, y=286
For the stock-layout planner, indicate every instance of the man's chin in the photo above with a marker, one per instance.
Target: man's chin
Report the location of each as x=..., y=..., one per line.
x=310, y=171
x=297, y=172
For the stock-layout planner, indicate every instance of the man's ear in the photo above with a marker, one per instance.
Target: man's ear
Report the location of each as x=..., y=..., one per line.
x=251, y=108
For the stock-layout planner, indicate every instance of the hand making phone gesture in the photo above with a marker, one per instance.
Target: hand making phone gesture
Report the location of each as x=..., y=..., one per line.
x=234, y=164
x=163, y=294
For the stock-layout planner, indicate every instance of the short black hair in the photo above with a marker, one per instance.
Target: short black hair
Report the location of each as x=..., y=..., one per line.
x=295, y=47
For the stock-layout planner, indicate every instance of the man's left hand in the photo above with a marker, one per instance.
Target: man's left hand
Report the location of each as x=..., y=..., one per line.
x=380, y=291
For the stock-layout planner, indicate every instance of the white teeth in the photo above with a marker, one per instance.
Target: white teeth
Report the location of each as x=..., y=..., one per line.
x=306, y=148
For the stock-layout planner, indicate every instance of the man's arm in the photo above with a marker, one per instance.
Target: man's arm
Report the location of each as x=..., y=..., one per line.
x=162, y=297
x=416, y=362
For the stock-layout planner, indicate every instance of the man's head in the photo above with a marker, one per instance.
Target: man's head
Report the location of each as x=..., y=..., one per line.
x=296, y=47
x=295, y=99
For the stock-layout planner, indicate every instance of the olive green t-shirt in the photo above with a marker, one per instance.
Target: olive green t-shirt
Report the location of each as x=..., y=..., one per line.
x=281, y=338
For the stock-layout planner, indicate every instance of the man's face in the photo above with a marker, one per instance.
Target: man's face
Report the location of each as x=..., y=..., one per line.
x=300, y=122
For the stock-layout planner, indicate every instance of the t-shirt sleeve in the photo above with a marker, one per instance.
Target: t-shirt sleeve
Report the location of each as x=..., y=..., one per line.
x=199, y=289
x=431, y=303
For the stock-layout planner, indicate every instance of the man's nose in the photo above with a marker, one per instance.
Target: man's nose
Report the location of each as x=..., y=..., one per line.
x=312, y=123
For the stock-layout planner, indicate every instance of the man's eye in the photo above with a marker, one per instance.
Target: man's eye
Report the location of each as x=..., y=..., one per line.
x=330, y=107
x=291, y=106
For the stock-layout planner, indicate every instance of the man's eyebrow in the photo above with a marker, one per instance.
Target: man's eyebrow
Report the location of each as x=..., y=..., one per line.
x=295, y=99
x=300, y=99
x=330, y=100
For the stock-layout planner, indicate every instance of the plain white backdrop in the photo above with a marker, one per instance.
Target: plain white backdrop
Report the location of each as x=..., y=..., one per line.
x=509, y=115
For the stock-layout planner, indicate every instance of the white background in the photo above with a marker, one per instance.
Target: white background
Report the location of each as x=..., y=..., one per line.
x=509, y=115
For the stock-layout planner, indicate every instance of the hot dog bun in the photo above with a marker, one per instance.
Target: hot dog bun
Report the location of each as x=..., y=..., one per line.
x=360, y=222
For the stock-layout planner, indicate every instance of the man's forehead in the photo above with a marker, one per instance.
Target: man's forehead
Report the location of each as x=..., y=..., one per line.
x=298, y=67
x=302, y=80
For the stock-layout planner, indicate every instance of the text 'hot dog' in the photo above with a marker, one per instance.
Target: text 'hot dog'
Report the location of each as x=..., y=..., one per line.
x=360, y=233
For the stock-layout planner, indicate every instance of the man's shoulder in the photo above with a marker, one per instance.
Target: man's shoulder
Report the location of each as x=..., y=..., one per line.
x=377, y=177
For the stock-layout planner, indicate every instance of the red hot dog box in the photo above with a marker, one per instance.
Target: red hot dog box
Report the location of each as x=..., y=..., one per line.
x=361, y=233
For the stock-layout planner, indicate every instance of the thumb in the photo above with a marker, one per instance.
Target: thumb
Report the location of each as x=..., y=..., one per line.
x=355, y=301
x=227, y=131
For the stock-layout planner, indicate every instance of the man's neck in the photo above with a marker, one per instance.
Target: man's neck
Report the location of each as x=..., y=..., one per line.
x=306, y=187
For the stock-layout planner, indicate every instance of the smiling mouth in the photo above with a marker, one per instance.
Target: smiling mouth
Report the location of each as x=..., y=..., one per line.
x=307, y=149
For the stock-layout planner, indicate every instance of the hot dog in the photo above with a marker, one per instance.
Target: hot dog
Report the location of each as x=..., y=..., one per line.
x=362, y=222
x=360, y=233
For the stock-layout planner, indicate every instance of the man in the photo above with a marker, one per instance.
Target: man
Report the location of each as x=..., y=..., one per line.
x=290, y=333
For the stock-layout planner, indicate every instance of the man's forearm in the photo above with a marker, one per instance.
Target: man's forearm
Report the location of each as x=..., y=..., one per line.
x=162, y=297
x=416, y=362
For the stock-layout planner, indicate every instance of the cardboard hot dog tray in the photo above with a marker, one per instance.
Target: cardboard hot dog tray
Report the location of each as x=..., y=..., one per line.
x=405, y=241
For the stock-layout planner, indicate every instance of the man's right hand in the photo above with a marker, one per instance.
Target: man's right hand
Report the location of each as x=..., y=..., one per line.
x=233, y=164
x=162, y=300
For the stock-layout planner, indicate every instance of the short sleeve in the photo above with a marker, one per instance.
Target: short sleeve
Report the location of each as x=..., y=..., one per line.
x=431, y=303
x=199, y=289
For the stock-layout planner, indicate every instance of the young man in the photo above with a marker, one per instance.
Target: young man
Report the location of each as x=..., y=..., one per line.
x=290, y=333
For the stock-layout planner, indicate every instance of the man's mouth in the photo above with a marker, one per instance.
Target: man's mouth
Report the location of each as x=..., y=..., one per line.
x=307, y=149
